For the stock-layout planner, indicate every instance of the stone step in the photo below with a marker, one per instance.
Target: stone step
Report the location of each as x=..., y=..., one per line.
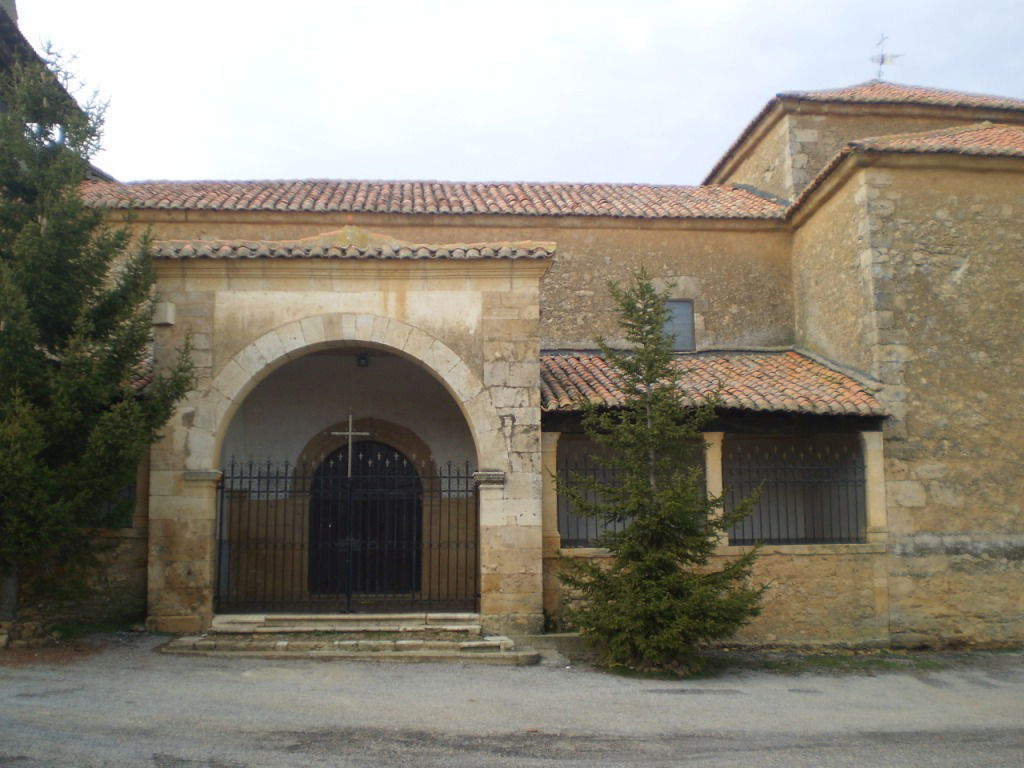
x=490, y=649
x=571, y=643
x=465, y=623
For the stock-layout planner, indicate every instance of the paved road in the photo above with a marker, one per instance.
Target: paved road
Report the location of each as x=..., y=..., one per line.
x=129, y=706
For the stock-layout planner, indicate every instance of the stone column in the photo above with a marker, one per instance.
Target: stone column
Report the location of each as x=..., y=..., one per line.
x=877, y=524
x=874, y=487
x=549, y=492
x=713, y=472
x=713, y=462
x=182, y=549
x=552, y=540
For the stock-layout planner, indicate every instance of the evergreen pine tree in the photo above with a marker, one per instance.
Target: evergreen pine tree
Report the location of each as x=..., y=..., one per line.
x=660, y=598
x=75, y=323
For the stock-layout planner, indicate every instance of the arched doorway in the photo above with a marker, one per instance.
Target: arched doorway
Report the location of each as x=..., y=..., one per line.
x=299, y=530
x=387, y=536
x=365, y=526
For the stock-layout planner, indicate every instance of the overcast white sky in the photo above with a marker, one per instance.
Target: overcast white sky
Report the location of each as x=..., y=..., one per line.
x=630, y=91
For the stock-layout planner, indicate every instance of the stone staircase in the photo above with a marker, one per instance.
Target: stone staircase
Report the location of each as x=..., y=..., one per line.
x=404, y=637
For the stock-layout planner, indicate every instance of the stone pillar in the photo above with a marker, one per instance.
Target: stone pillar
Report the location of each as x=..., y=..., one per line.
x=713, y=463
x=874, y=488
x=511, y=587
x=549, y=514
x=877, y=524
x=549, y=492
x=713, y=472
x=511, y=528
x=182, y=549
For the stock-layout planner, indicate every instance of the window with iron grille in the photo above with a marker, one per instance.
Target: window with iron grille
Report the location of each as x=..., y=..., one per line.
x=575, y=464
x=811, y=488
x=577, y=460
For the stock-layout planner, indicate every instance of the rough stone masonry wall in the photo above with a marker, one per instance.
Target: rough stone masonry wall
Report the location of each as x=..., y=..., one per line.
x=950, y=240
x=116, y=595
x=814, y=139
x=817, y=595
x=833, y=278
x=115, y=591
x=824, y=594
x=769, y=166
x=737, y=273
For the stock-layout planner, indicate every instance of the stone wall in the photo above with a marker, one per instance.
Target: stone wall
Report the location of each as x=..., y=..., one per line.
x=903, y=270
x=951, y=236
x=821, y=595
x=816, y=138
x=116, y=595
x=738, y=273
x=833, y=277
x=906, y=273
x=817, y=595
x=470, y=326
x=808, y=135
x=114, y=592
x=769, y=166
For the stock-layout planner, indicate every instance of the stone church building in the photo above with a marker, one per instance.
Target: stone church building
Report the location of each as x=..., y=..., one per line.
x=389, y=376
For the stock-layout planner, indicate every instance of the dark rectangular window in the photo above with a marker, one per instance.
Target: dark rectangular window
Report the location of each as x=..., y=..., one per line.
x=812, y=488
x=578, y=461
x=680, y=324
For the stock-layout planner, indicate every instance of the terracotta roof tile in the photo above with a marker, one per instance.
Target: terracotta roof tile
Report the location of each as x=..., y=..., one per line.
x=978, y=140
x=990, y=139
x=436, y=197
x=783, y=382
x=347, y=243
x=873, y=92
x=882, y=92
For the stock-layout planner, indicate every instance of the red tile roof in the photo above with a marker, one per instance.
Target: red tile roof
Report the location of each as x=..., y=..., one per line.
x=882, y=92
x=873, y=92
x=438, y=197
x=782, y=382
x=347, y=243
x=987, y=139
x=978, y=140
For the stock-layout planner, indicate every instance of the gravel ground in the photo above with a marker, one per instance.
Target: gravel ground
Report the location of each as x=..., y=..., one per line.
x=125, y=705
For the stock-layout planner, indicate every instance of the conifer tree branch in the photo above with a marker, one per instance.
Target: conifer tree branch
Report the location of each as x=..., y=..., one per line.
x=659, y=598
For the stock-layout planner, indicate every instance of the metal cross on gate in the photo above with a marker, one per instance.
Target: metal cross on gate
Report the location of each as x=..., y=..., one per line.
x=349, y=433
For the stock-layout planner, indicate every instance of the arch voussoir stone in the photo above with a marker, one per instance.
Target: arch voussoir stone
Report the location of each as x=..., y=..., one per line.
x=271, y=350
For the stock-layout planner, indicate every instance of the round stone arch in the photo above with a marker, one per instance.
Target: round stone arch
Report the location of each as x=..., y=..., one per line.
x=256, y=361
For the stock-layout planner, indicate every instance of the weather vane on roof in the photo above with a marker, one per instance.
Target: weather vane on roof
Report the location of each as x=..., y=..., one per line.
x=882, y=58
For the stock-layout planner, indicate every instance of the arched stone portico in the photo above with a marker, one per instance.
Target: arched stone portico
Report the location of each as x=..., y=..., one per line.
x=300, y=337
x=183, y=501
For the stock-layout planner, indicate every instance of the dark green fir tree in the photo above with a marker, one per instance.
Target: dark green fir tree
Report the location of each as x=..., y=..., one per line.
x=78, y=403
x=660, y=598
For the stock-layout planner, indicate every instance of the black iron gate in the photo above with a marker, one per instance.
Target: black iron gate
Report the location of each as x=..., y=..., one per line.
x=374, y=534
